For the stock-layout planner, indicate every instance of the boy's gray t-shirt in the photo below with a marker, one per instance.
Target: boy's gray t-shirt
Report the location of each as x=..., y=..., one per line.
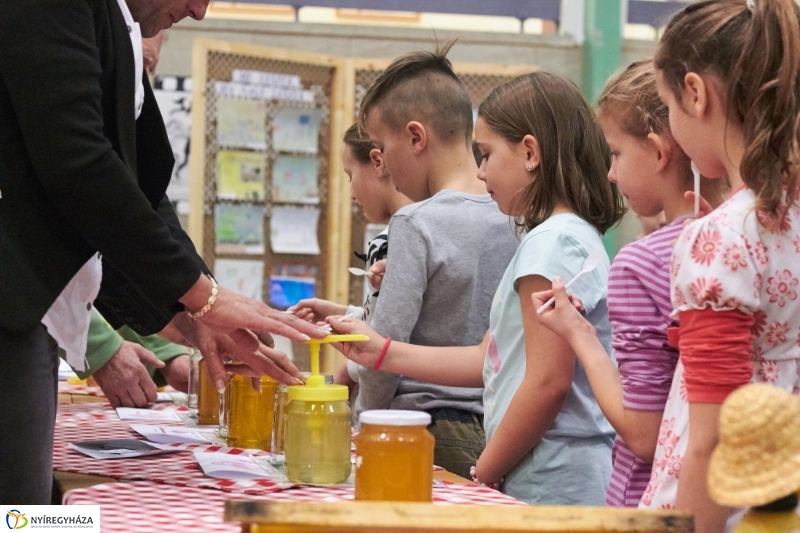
x=446, y=259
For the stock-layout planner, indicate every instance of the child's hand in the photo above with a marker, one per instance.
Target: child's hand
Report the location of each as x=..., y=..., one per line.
x=564, y=316
x=364, y=353
x=705, y=206
x=473, y=473
x=315, y=309
x=376, y=273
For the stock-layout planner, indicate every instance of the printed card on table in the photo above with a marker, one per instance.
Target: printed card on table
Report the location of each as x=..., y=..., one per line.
x=293, y=230
x=295, y=179
x=296, y=130
x=241, y=123
x=240, y=176
x=177, y=434
x=119, y=448
x=241, y=276
x=134, y=414
x=239, y=229
x=228, y=466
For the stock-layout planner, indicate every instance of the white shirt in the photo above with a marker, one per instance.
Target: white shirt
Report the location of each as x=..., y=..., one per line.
x=68, y=318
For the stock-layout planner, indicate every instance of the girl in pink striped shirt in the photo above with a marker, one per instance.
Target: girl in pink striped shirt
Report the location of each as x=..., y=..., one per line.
x=653, y=174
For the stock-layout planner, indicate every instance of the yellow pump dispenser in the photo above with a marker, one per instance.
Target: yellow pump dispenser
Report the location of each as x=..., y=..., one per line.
x=318, y=425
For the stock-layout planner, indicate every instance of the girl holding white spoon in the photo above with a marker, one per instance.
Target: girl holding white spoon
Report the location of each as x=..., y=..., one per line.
x=653, y=173
x=544, y=161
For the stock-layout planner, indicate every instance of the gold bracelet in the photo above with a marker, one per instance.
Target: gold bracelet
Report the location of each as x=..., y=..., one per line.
x=211, y=299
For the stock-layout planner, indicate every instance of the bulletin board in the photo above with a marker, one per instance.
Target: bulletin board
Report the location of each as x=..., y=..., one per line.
x=479, y=79
x=266, y=171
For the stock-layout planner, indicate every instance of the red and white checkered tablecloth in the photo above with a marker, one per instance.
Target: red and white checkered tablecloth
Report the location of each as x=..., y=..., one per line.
x=74, y=388
x=80, y=422
x=143, y=507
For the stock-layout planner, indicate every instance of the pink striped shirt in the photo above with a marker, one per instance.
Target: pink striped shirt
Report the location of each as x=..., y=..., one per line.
x=638, y=308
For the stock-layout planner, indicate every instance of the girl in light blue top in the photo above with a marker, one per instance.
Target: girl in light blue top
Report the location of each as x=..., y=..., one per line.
x=545, y=162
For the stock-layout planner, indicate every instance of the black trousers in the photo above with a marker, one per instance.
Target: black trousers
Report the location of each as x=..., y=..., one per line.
x=28, y=401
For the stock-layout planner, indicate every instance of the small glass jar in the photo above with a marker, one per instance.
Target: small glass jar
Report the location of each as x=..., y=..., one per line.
x=207, y=397
x=251, y=413
x=225, y=410
x=278, y=448
x=194, y=382
x=394, y=457
x=318, y=433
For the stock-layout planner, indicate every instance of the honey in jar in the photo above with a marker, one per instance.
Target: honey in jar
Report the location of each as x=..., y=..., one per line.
x=318, y=425
x=277, y=450
x=394, y=457
x=207, y=397
x=318, y=435
x=251, y=412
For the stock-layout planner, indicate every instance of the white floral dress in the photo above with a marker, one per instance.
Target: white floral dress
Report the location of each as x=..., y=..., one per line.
x=732, y=259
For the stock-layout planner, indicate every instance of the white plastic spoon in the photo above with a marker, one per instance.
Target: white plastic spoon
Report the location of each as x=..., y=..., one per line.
x=589, y=264
x=696, y=175
x=357, y=271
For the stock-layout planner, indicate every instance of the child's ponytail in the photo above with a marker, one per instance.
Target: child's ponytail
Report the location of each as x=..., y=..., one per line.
x=767, y=95
x=753, y=47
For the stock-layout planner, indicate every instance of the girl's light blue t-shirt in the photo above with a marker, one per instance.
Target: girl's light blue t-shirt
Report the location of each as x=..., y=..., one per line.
x=572, y=463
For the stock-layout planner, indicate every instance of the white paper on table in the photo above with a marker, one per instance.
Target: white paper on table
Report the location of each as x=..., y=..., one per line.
x=177, y=397
x=241, y=276
x=134, y=414
x=296, y=130
x=293, y=230
x=176, y=434
x=226, y=466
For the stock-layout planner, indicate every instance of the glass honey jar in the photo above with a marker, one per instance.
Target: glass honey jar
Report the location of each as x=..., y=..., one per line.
x=318, y=425
x=207, y=397
x=394, y=457
x=318, y=433
x=277, y=450
x=250, y=413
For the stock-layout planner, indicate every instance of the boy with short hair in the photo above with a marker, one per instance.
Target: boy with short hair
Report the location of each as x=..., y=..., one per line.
x=449, y=250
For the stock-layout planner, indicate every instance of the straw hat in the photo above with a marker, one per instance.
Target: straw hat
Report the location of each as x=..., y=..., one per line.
x=757, y=460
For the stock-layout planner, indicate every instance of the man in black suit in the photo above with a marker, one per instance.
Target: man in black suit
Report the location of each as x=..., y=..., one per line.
x=79, y=174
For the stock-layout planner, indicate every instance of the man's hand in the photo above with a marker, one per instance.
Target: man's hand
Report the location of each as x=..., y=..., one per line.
x=124, y=379
x=176, y=372
x=233, y=311
x=219, y=348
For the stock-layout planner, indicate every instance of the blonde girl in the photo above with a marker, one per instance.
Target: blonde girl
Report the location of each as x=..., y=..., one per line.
x=544, y=161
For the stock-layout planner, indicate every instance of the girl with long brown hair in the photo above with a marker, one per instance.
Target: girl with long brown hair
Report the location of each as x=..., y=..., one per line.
x=729, y=72
x=544, y=161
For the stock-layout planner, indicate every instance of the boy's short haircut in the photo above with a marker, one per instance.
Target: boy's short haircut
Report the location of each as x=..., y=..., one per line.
x=422, y=86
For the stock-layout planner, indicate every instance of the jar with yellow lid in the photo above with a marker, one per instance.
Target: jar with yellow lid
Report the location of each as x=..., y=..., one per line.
x=317, y=433
x=277, y=450
x=394, y=456
x=250, y=413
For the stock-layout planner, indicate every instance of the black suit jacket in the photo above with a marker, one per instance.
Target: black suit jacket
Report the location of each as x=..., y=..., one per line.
x=78, y=174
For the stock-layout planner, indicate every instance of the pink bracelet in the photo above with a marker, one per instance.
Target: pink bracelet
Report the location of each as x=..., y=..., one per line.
x=385, y=349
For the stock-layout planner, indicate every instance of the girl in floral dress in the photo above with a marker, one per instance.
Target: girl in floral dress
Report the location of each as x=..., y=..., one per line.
x=729, y=72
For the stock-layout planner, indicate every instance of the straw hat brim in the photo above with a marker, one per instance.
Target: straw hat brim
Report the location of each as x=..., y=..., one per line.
x=757, y=460
x=735, y=484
